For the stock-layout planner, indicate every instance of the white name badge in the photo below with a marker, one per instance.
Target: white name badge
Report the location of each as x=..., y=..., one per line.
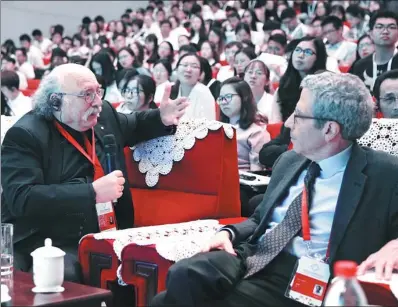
x=309, y=282
x=106, y=216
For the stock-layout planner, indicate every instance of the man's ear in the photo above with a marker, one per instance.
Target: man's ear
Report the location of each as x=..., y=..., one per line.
x=331, y=130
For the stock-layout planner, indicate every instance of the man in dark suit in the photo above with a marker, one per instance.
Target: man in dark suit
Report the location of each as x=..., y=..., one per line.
x=50, y=189
x=351, y=192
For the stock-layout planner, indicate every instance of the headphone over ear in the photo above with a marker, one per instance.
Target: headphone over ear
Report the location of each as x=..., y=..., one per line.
x=56, y=101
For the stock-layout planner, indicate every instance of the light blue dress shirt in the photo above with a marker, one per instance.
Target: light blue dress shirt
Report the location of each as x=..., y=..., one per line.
x=326, y=192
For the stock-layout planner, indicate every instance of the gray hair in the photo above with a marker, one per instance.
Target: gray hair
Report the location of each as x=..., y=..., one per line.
x=41, y=98
x=343, y=98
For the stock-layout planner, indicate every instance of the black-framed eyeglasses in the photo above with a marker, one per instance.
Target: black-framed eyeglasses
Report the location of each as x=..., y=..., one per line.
x=88, y=96
x=307, y=52
x=382, y=27
x=295, y=116
x=227, y=98
x=389, y=99
x=135, y=91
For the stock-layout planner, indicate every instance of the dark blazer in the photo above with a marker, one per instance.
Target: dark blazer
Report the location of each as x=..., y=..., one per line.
x=366, y=215
x=37, y=194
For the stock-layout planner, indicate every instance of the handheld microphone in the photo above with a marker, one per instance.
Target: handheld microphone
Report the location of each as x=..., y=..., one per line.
x=110, y=155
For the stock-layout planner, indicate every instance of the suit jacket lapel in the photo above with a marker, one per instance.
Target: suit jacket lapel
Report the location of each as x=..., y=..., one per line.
x=284, y=180
x=350, y=194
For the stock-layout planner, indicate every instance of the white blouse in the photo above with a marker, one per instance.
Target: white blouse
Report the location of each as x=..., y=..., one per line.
x=202, y=104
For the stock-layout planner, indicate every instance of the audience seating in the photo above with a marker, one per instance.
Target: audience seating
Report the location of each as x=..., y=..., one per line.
x=204, y=184
x=28, y=92
x=33, y=84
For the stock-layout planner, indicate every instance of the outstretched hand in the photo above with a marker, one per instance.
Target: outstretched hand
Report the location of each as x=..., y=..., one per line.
x=172, y=110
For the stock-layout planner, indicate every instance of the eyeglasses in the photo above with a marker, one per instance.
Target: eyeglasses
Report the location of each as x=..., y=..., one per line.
x=192, y=65
x=227, y=98
x=135, y=91
x=307, y=52
x=389, y=99
x=360, y=46
x=258, y=73
x=381, y=27
x=88, y=96
x=295, y=116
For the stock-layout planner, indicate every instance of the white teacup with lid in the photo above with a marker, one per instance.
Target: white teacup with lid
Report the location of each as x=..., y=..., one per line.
x=48, y=268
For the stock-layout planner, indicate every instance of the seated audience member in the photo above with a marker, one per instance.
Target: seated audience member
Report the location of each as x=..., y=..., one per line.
x=206, y=77
x=126, y=59
x=17, y=102
x=384, y=33
x=239, y=109
x=336, y=46
x=161, y=73
x=151, y=47
x=101, y=64
x=137, y=92
x=242, y=59
x=23, y=65
x=365, y=47
x=217, y=37
x=209, y=52
x=257, y=76
x=292, y=26
x=385, y=91
x=34, y=54
x=183, y=40
x=43, y=43
x=202, y=103
x=8, y=64
x=50, y=184
x=228, y=71
x=358, y=23
x=277, y=44
x=252, y=263
x=78, y=48
x=308, y=57
x=166, y=51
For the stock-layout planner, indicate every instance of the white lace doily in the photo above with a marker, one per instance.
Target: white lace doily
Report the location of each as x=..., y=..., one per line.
x=157, y=234
x=156, y=156
x=382, y=135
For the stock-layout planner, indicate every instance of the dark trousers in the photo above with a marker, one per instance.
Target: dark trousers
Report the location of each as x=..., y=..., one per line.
x=23, y=261
x=216, y=279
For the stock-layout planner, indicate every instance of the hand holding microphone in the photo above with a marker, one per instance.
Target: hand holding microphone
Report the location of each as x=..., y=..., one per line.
x=109, y=187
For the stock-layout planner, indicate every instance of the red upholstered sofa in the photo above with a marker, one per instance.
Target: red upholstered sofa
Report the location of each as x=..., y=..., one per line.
x=204, y=184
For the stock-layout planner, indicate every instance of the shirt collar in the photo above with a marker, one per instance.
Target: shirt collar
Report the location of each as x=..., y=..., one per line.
x=335, y=164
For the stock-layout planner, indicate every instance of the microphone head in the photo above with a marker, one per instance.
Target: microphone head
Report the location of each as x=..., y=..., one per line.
x=110, y=144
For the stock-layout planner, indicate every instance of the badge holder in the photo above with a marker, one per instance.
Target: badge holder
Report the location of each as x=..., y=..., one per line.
x=309, y=281
x=106, y=216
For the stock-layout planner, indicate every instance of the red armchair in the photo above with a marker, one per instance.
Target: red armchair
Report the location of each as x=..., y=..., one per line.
x=204, y=184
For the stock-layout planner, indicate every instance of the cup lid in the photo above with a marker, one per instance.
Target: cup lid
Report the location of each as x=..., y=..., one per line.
x=48, y=251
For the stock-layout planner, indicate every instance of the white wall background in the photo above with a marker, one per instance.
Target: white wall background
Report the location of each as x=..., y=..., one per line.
x=18, y=17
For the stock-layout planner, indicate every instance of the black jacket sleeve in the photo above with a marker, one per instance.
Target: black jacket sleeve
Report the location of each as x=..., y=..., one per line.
x=23, y=180
x=274, y=148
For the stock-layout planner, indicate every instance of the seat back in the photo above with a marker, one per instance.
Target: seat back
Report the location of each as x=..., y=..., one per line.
x=274, y=129
x=204, y=184
x=33, y=84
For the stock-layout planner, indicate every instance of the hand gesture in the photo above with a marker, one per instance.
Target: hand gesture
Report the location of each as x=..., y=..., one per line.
x=172, y=110
x=220, y=241
x=109, y=187
x=384, y=261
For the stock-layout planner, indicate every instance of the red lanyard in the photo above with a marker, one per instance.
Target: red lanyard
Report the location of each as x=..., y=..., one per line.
x=305, y=221
x=98, y=170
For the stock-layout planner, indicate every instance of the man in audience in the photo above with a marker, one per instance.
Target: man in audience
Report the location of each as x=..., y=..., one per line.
x=329, y=182
x=51, y=185
x=384, y=33
x=277, y=44
x=66, y=44
x=16, y=101
x=8, y=64
x=43, y=43
x=35, y=56
x=386, y=93
x=23, y=65
x=227, y=71
x=292, y=26
x=343, y=51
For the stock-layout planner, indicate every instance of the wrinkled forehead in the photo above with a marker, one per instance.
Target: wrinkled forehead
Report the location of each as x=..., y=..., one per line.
x=78, y=82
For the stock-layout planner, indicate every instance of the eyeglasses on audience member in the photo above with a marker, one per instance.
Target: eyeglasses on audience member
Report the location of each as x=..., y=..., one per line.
x=227, y=98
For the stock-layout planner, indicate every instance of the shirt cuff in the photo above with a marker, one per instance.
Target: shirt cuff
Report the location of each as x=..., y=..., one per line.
x=231, y=232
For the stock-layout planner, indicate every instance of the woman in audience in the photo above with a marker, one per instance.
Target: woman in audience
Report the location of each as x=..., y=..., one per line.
x=139, y=52
x=257, y=76
x=151, y=47
x=161, y=74
x=322, y=9
x=206, y=77
x=101, y=64
x=217, y=37
x=166, y=51
x=249, y=17
x=365, y=46
x=198, y=30
x=238, y=108
x=242, y=59
x=137, y=93
x=78, y=48
x=308, y=57
x=126, y=59
x=209, y=52
x=183, y=40
x=202, y=104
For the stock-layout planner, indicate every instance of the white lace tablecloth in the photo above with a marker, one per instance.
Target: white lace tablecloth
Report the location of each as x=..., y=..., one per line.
x=173, y=241
x=156, y=156
x=382, y=135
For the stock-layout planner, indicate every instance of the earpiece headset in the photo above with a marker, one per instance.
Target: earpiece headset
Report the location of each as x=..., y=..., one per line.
x=56, y=101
